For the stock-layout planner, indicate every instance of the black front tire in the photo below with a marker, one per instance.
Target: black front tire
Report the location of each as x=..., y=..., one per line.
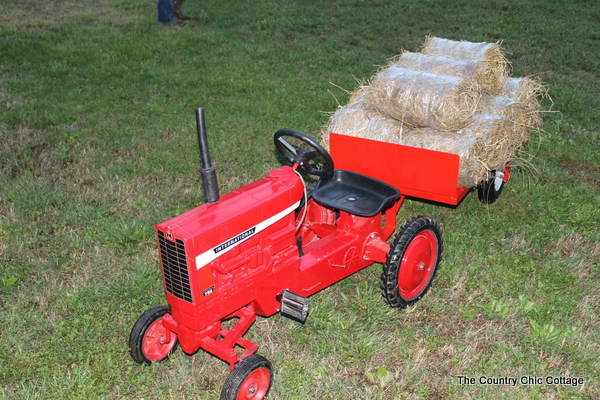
x=412, y=262
x=147, y=340
x=252, y=378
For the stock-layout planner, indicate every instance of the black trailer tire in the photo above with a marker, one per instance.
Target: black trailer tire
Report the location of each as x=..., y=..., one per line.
x=412, y=262
x=489, y=190
x=147, y=338
x=251, y=378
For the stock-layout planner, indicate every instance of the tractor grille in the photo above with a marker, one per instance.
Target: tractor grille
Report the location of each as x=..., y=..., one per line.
x=175, y=268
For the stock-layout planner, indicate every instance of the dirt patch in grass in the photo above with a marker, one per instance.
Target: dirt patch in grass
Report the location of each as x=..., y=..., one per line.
x=585, y=174
x=574, y=247
x=39, y=15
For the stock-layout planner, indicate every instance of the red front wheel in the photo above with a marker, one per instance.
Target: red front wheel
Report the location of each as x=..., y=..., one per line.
x=250, y=380
x=149, y=340
x=412, y=262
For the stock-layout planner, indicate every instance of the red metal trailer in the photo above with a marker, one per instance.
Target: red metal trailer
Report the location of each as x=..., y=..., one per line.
x=419, y=173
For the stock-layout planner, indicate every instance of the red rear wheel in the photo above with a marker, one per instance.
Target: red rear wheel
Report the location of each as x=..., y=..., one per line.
x=412, y=262
x=149, y=340
x=418, y=264
x=250, y=380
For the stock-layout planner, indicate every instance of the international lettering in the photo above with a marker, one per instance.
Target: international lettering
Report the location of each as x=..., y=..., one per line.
x=235, y=240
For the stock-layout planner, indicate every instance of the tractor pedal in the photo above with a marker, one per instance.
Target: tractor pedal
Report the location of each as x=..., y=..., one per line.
x=294, y=306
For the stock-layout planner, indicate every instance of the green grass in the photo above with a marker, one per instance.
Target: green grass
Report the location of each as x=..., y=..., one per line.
x=98, y=145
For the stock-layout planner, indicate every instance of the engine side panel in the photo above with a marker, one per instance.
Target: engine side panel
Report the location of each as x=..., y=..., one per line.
x=216, y=254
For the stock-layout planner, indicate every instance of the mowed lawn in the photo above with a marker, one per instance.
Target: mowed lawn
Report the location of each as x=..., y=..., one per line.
x=98, y=145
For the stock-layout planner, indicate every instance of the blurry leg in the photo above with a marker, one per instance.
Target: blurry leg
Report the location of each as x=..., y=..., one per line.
x=178, y=13
x=166, y=11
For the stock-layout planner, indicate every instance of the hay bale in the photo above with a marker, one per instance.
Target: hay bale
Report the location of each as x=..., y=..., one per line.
x=448, y=142
x=358, y=99
x=364, y=123
x=370, y=124
x=456, y=97
x=527, y=91
x=486, y=76
x=423, y=99
x=512, y=109
x=486, y=144
x=432, y=139
x=494, y=147
x=489, y=54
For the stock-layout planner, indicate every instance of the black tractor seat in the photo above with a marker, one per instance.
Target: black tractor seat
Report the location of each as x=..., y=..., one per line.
x=355, y=193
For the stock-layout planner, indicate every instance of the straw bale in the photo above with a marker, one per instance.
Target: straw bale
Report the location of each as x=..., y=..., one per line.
x=527, y=91
x=358, y=99
x=494, y=147
x=486, y=144
x=364, y=123
x=448, y=142
x=423, y=99
x=432, y=139
x=491, y=52
x=456, y=97
x=486, y=76
x=512, y=109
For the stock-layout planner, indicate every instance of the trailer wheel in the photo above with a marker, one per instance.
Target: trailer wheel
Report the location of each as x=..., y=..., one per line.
x=412, y=262
x=149, y=340
x=489, y=190
x=250, y=380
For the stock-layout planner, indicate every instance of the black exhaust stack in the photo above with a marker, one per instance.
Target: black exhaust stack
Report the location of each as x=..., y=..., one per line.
x=209, y=175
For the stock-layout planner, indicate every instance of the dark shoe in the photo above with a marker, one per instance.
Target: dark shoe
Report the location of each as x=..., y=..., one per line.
x=178, y=13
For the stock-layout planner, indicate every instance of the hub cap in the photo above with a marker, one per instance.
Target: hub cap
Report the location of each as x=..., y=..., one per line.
x=417, y=265
x=498, y=180
x=158, y=342
x=255, y=386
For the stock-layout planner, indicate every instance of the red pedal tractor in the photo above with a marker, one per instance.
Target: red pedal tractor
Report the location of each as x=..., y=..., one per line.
x=268, y=246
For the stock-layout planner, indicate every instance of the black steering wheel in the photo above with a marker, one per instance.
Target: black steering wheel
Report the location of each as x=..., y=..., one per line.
x=300, y=155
